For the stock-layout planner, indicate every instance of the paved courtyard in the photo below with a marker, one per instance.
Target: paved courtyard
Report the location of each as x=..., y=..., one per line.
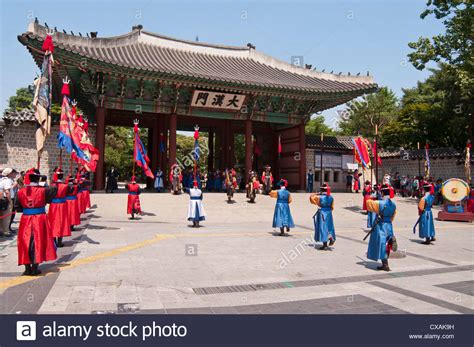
x=236, y=263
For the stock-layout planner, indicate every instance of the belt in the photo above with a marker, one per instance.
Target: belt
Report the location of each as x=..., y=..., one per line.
x=325, y=208
x=385, y=220
x=82, y=190
x=132, y=193
x=282, y=200
x=196, y=197
x=33, y=211
x=58, y=200
x=71, y=197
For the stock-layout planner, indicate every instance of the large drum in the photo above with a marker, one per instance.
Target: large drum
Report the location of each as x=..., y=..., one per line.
x=455, y=192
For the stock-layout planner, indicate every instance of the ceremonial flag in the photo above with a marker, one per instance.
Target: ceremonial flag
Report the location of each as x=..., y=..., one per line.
x=73, y=136
x=197, y=150
x=467, y=162
x=361, y=151
x=42, y=96
x=376, y=155
x=427, y=160
x=139, y=154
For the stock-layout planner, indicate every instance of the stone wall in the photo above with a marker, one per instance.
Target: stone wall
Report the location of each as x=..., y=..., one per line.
x=443, y=168
x=18, y=148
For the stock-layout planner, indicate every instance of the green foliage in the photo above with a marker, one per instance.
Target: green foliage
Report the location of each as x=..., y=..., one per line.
x=432, y=111
x=363, y=114
x=316, y=126
x=454, y=46
x=22, y=99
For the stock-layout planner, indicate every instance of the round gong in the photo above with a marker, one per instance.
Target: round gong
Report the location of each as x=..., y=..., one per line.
x=455, y=190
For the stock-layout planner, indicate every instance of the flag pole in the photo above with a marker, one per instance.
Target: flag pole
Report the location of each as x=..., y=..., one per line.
x=135, y=131
x=321, y=169
x=196, y=148
x=376, y=155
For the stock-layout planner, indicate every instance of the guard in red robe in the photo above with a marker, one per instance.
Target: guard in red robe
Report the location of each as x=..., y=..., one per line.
x=58, y=215
x=35, y=241
x=80, y=194
x=366, y=193
x=72, y=204
x=87, y=191
x=133, y=202
x=357, y=180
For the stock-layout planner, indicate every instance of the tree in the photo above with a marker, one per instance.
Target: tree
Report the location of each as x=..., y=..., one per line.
x=363, y=114
x=432, y=111
x=316, y=126
x=453, y=48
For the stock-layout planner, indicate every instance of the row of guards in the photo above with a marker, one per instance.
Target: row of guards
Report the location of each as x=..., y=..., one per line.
x=41, y=232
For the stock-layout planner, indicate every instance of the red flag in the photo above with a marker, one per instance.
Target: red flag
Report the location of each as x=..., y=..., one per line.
x=374, y=151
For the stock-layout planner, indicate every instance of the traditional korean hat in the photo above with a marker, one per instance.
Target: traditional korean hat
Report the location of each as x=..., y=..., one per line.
x=195, y=184
x=32, y=175
x=283, y=183
x=325, y=188
x=58, y=174
x=133, y=179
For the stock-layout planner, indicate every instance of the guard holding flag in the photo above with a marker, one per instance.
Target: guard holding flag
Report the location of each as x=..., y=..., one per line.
x=72, y=203
x=196, y=212
x=58, y=216
x=35, y=241
x=133, y=200
x=425, y=220
x=323, y=222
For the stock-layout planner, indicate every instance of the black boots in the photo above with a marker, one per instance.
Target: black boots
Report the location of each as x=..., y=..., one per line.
x=27, y=270
x=331, y=241
x=59, y=242
x=427, y=241
x=34, y=270
x=282, y=231
x=31, y=270
x=384, y=265
x=324, y=247
x=195, y=224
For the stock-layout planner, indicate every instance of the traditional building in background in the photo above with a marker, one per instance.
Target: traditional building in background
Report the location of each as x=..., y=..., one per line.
x=338, y=159
x=172, y=84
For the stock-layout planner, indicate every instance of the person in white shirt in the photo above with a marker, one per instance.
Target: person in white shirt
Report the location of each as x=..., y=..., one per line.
x=6, y=187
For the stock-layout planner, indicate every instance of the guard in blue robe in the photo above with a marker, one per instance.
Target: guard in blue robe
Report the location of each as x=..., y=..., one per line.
x=323, y=222
x=196, y=212
x=218, y=181
x=282, y=216
x=382, y=239
x=426, y=221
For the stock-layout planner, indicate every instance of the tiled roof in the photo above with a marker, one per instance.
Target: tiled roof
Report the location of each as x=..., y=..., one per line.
x=440, y=152
x=153, y=53
x=329, y=142
x=25, y=115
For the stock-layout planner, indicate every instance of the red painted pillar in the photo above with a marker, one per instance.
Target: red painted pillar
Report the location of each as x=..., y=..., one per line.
x=172, y=140
x=230, y=145
x=302, y=139
x=210, y=157
x=99, y=175
x=248, y=147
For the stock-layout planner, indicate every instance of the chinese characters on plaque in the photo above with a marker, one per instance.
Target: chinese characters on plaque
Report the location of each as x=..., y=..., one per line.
x=217, y=100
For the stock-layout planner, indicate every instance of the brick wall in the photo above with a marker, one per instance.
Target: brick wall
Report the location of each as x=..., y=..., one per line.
x=18, y=148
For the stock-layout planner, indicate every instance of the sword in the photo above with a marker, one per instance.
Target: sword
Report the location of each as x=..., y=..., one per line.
x=377, y=220
x=418, y=221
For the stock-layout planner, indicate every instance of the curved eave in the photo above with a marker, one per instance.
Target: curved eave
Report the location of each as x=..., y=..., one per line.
x=73, y=58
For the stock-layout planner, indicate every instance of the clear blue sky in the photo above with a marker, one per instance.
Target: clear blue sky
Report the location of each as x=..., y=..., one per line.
x=355, y=36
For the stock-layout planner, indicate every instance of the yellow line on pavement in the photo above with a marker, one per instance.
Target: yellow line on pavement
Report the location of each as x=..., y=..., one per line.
x=93, y=258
